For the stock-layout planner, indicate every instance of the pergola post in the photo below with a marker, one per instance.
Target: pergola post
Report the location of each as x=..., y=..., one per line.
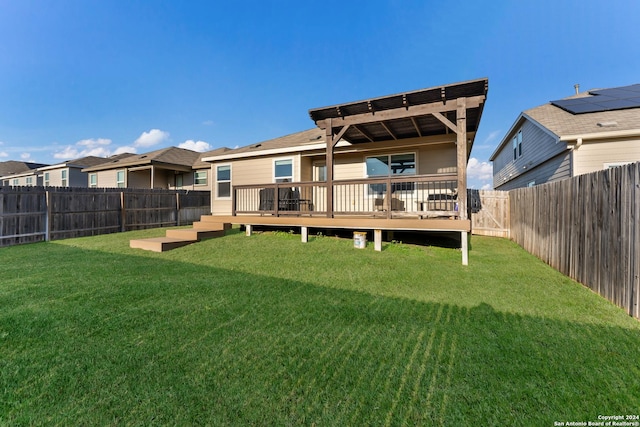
x=461, y=150
x=329, y=163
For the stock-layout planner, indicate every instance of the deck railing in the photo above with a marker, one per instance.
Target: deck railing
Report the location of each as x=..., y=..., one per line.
x=420, y=196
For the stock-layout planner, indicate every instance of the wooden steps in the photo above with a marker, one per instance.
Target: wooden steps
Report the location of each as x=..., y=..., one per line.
x=176, y=238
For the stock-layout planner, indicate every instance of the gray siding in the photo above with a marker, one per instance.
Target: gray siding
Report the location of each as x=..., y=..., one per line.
x=538, y=147
x=553, y=169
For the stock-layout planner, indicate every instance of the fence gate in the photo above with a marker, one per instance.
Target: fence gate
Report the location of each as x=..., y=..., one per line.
x=490, y=213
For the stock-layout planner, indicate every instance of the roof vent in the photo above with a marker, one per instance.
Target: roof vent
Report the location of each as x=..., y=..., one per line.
x=315, y=138
x=577, y=88
x=257, y=145
x=609, y=124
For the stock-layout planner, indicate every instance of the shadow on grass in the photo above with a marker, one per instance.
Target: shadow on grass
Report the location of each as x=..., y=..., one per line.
x=131, y=339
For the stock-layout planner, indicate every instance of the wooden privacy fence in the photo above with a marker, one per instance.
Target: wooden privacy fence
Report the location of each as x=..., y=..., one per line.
x=588, y=228
x=33, y=214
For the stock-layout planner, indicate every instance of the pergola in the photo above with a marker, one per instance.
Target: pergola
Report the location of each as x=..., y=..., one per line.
x=454, y=108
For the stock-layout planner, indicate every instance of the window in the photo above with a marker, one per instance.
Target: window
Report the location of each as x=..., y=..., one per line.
x=223, y=178
x=64, y=181
x=320, y=172
x=179, y=181
x=283, y=170
x=30, y=180
x=531, y=183
x=120, y=179
x=615, y=165
x=517, y=145
x=391, y=165
x=93, y=180
x=200, y=178
x=16, y=182
x=46, y=179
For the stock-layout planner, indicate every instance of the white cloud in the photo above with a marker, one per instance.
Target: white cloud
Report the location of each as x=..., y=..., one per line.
x=153, y=137
x=487, y=187
x=4, y=154
x=86, y=147
x=125, y=149
x=208, y=123
x=492, y=136
x=68, y=153
x=479, y=170
x=94, y=142
x=25, y=156
x=199, y=146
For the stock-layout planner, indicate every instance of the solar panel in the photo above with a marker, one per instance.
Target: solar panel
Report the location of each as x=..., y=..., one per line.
x=618, y=98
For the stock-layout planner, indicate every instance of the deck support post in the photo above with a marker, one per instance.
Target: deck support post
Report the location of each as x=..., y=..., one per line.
x=329, y=164
x=248, y=229
x=377, y=239
x=304, y=232
x=464, y=240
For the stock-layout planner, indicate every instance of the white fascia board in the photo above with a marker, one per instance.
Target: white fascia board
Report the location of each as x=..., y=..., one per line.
x=601, y=135
x=285, y=150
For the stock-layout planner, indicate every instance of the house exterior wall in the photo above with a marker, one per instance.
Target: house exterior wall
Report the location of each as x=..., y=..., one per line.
x=538, y=146
x=593, y=156
x=559, y=167
x=439, y=157
x=108, y=178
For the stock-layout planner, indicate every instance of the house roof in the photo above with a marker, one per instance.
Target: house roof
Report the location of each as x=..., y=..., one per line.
x=13, y=167
x=81, y=162
x=561, y=122
x=170, y=157
x=311, y=139
x=566, y=126
x=406, y=115
x=200, y=164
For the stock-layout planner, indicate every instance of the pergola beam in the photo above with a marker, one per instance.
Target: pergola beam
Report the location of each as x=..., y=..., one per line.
x=401, y=113
x=415, y=125
x=364, y=133
x=389, y=131
x=448, y=123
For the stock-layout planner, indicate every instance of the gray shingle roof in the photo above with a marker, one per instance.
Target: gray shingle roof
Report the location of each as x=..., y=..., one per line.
x=561, y=122
x=171, y=156
x=12, y=167
x=298, y=139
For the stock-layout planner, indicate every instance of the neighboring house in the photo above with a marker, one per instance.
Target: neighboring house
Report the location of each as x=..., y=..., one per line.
x=17, y=173
x=580, y=134
x=69, y=173
x=202, y=170
x=168, y=168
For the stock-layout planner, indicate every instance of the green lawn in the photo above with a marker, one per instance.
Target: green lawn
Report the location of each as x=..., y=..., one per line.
x=266, y=330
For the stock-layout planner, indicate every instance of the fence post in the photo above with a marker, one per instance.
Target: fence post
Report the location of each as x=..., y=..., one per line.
x=47, y=217
x=122, y=213
x=177, y=209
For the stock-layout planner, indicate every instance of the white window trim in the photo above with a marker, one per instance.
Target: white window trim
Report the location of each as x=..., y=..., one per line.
x=215, y=167
x=64, y=180
x=293, y=168
x=124, y=178
x=93, y=185
x=206, y=178
x=46, y=179
x=516, y=145
x=366, y=175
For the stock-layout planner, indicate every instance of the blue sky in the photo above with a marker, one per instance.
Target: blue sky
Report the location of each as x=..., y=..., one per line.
x=81, y=77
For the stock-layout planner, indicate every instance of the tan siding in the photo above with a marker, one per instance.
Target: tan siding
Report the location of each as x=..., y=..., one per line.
x=107, y=178
x=55, y=177
x=437, y=159
x=592, y=156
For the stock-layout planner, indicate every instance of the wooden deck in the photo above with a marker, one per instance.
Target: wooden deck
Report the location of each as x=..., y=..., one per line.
x=351, y=222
